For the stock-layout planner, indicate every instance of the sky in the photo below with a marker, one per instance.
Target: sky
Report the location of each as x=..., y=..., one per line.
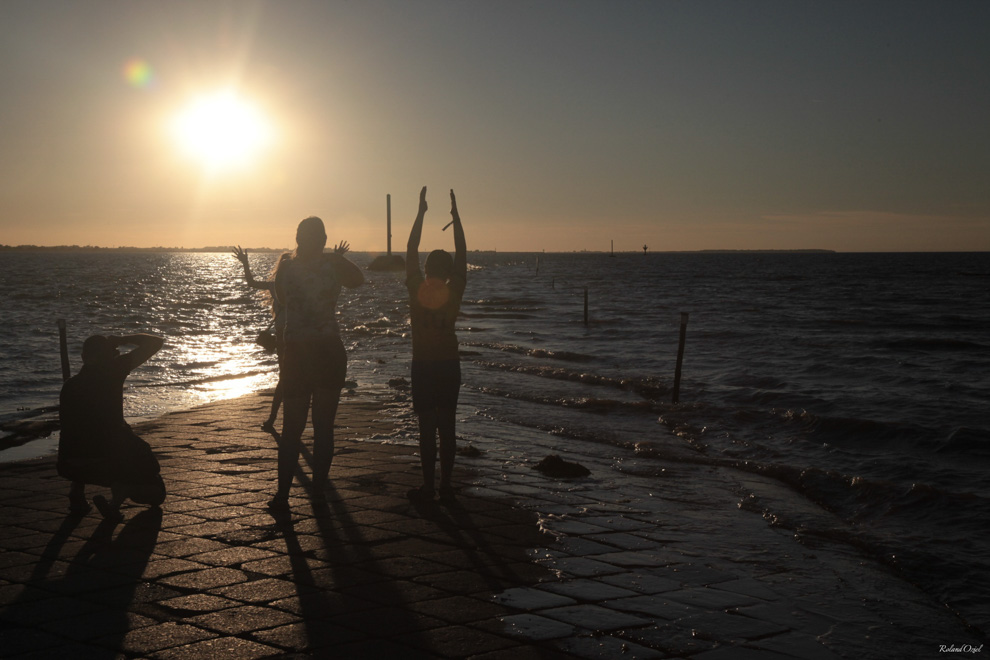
x=850, y=126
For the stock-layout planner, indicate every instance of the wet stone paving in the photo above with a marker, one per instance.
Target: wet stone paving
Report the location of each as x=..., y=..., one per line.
x=521, y=566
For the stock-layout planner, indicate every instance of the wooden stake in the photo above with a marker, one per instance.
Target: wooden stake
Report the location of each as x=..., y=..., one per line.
x=680, y=357
x=63, y=349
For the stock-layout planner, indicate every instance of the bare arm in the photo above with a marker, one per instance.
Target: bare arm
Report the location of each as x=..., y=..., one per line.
x=251, y=282
x=460, y=245
x=145, y=345
x=347, y=272
x=412, y=247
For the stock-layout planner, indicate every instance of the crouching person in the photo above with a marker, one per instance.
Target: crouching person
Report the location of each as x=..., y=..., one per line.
x=96, y=445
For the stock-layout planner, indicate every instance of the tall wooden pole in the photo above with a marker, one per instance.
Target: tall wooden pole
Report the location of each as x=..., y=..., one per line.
x=388, y=229
x=680, y=358
x=63, y=349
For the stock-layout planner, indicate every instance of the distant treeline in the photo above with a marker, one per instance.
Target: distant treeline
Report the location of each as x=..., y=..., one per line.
x=94, y=248
x=228, y=248
x=765, y=251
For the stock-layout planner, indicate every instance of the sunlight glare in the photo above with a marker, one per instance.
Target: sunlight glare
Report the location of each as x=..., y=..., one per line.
x=222, y=130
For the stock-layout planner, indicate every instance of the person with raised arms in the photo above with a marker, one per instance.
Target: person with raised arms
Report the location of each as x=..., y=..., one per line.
x=434, y=303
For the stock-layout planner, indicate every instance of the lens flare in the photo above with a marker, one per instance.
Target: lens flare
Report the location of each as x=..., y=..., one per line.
x=138, y=73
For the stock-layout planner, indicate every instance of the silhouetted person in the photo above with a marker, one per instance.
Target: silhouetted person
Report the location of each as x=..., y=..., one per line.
x=96, y=445
x=434, y=303
x=278, y=324
x=314, y=366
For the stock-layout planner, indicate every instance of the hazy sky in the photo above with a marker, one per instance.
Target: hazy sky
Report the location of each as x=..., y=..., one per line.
x=561, y=125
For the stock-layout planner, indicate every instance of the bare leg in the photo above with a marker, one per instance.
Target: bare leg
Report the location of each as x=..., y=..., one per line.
x=325, y=402
x=294, y=413
x=77, y=497
x=269, y=424
x=428, y=448
x=446, y=421
x=118, y=493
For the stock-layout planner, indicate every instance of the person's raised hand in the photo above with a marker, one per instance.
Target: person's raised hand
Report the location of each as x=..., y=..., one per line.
x=422, y=201
x=241, y=255
x=453, y=203
x=341, y=248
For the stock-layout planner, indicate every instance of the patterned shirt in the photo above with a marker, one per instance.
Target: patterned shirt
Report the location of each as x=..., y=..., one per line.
x=308, y=290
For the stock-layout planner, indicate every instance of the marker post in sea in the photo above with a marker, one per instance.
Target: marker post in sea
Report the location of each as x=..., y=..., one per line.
x=680, y=357
x=63, y=349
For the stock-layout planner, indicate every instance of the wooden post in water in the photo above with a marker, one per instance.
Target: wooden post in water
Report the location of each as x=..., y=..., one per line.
x=586, y=305
x=388, y=222
x=680, y=357
x=63, y=349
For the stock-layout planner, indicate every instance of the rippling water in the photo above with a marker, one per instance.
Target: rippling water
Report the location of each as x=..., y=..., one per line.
x=861, y=381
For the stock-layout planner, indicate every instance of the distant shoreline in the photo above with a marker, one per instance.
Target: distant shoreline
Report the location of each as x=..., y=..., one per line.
x=96, y=248
x=228, y=248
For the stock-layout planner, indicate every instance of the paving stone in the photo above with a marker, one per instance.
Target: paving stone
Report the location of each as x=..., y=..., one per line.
x=97, y=624
x=583, y=567
x=730, y=628
x=623, y=540
x=535, y=627
x=710, y=598
x=231, y=556
x=630, y=559
x=670, y=638
x=197, y=603
x=455, y=641
x=657, y=606
x=226, y=647
x=530, y=598
x=605, y=647
x=642, y=583
x=376, y=649
x=581, y=547
x=457, y=609
x=748, y=587
x=16, y=640
x=797, y=645
x=307, y=636
x=242, y=619
x=595, y=617
x=587, y=590
x=152, y=639
x=261, y=591
x=206, y=578
x=740, y=653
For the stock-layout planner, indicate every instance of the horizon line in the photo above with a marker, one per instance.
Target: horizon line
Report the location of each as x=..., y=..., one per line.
x=229, y=248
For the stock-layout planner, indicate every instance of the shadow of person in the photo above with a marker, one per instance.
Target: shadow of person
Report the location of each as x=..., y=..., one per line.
x=89, y=606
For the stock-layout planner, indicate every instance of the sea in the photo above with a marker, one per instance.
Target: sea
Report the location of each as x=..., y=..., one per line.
x=861, y=382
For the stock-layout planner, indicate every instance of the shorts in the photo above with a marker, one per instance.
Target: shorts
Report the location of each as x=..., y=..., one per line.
x=435, y=384
x=313, y=364
x=130, y=461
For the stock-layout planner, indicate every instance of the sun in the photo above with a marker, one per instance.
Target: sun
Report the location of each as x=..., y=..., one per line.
x=222, y=130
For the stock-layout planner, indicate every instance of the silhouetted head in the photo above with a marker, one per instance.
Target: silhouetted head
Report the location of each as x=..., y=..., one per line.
x=311, y=235
x=439, y=264
x=98, y=349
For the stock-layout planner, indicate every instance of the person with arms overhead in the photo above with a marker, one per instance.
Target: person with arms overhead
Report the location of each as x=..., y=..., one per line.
x=314, y=366
x=96, y=445
x=434, y=303
x=278, y=324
